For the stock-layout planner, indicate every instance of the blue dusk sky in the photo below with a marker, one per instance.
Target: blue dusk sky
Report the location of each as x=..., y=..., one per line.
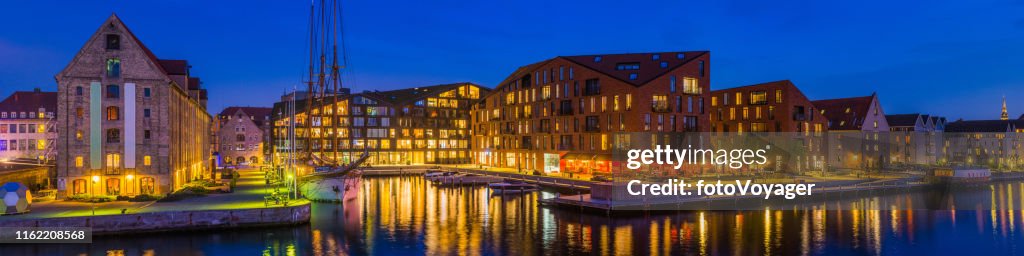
x=951, y=58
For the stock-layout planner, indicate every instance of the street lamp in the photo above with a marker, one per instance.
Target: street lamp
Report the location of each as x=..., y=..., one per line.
x=95, y=180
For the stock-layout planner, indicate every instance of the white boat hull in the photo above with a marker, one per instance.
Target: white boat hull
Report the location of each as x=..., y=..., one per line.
x=331, y=189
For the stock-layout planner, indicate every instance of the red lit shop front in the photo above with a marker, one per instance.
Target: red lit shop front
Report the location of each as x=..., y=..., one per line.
x=579, y=163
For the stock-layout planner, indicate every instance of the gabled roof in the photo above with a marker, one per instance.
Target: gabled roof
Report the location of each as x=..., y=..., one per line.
x=1021, y=117
x=29, y=101
x=841, y=119
x=650, y=68
x=258, y=114
x=149, y=54
x=902, y=120
x=980, y=126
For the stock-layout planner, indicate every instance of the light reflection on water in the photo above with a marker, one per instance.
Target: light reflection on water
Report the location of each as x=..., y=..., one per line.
x=407, y=215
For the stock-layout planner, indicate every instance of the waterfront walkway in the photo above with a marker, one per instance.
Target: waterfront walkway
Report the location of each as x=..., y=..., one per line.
x=248, y=194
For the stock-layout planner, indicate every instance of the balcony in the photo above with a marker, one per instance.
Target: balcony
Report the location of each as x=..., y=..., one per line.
x=799, y=117
x=565, y=112
x=565, y=146
x=592, y=128
x=660, y=108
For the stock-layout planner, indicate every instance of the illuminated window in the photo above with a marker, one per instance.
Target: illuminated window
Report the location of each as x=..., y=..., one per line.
x=79, y=161
x=758, y=98
x=146, y=160
x=113, y=113
x=691, y=86
x=778, y=96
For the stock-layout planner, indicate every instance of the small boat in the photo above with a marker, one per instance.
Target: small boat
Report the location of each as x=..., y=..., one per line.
x=442, y=175
x=509, y=187
x=959, y=176
x=433, y=173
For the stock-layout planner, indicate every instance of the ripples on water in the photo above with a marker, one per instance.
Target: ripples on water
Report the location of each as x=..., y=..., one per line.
x=407, y=215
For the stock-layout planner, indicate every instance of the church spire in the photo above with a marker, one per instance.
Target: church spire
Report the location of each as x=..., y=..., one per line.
x=1004, y=116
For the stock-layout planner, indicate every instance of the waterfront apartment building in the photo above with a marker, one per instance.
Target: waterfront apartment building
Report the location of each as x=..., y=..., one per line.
x=915, y=139
x=128, y=123
x=27, y=126
x=778, y=111
x=995, y=144
x=767, y=107
x=421, y=125
x=857, y=133
x=560, y=114
x=243, y=134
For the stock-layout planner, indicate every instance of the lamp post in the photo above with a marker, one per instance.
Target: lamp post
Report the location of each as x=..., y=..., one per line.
x=95, y=180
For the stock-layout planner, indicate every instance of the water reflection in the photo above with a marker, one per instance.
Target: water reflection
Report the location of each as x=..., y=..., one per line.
x=407, y=215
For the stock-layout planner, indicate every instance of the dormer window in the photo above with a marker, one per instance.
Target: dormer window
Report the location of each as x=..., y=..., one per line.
x=656, y=57
x=632, y=76
x=597, y=59
x=664, y=64
x=680, y=56
x=113, y=42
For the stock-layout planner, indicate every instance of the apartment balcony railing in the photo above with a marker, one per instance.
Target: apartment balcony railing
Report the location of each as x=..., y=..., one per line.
x=565, y=112
x=660, y=108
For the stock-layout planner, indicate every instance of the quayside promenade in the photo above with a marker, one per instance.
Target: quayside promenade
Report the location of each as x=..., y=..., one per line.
x=243, y=207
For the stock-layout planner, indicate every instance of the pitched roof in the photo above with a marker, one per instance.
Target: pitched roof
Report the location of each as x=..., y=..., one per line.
x=29, y=101
x=193, y=83
x=650, y=68
x=405, y=96
x=251, y=111
x=1021, y=117
x=980, y=126
x=841, y=119
x=175, y=67
x=902, y=119
x=258, y=114
x=152, y=57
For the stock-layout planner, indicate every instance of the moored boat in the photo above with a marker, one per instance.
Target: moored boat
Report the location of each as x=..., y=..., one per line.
x=959, y=176
x=509, y=187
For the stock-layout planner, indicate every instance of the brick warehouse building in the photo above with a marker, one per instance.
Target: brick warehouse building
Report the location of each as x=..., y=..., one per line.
x=560, y=114
x=858, y=133
x=128, y=123
x=782, y=111
x=422, y=125
x=242, y=134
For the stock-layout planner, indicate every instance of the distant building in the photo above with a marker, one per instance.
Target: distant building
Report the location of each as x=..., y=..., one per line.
x=781, y=110
x=128, y=123
x=994, y=144
x=243, y=134
x=1004, y=115
x=857, y=129
x=560, y=114
x=767, y=107
x=422, y=125
x=28, y=126
x=914, y=139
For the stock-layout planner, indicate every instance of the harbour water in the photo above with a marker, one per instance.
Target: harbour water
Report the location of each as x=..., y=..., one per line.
x=410, y=216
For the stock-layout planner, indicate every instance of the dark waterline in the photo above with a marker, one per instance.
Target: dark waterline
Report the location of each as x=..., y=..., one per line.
x=409, y=216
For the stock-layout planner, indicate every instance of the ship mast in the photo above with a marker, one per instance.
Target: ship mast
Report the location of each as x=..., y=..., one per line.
x=324, y=78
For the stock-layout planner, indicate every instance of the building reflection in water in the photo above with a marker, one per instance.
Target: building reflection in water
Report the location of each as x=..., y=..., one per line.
x=407, y=215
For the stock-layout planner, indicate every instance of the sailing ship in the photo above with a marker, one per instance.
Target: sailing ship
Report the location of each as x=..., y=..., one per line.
x=330, y=179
